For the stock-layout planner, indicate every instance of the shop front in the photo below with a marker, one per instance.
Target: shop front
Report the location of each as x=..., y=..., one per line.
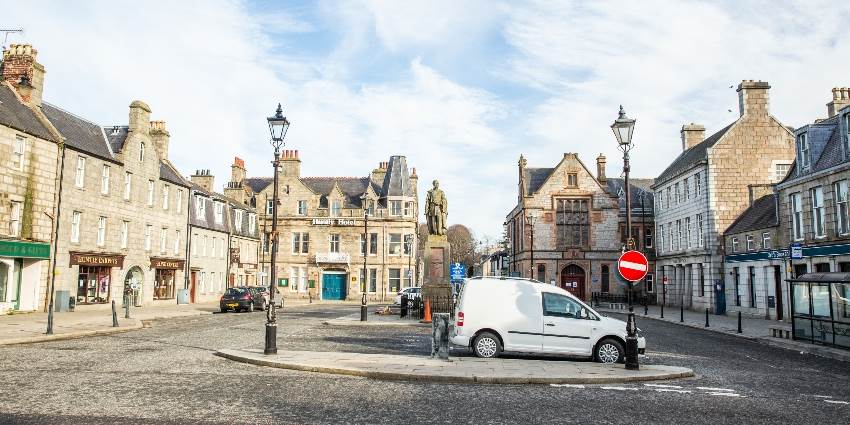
x=94, y=276
x=21, y=274
x=165, y=277
x=820, y=308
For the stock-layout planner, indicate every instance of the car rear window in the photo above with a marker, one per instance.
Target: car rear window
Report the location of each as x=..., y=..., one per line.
x=235, y=291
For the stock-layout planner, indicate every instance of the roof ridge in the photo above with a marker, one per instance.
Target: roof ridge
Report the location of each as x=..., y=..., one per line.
x=72, y=114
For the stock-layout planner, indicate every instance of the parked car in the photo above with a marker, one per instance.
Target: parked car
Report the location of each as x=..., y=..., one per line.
x=241, y=299
x=413, y=293
x=264, y=292
x=522, y=315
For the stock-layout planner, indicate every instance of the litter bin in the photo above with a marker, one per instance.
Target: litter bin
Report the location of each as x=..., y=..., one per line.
x=62, y=301
x=183, y=296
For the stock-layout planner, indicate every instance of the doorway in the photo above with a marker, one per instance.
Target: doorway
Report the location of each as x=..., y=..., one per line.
x=777, y=279
x=193, y=281
x=572, y=280
x=333, y=286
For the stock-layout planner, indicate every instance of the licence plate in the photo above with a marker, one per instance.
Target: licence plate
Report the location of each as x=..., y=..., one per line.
x=232, y=305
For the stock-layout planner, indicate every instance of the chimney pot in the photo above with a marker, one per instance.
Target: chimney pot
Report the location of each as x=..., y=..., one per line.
x=600, y=168
x=840, y=99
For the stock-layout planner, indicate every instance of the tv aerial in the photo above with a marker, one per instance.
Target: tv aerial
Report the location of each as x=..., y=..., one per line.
x=7, y=31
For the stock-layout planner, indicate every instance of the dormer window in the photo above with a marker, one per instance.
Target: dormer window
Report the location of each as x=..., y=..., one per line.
x=847, y=133
x=803, y=145
x=141, y=152
x=219, y=212
x=395, y=208
x=370, y=207
x=200, y=207
x=336, y=208
x=237, y=220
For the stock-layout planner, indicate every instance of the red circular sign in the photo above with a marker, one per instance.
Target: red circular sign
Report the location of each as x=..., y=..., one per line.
x=633, y=266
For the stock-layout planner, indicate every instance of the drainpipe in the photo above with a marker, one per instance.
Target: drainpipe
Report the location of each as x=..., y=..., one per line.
x=50, y=301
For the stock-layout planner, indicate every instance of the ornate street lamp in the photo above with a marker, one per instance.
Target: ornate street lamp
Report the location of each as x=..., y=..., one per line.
x=278, y=126
x=623, y=128
x=532, y=219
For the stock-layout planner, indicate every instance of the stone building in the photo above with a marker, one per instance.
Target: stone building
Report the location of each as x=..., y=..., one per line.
x=209, y=247
x=322, y=243
x=123, y=212
x=707, y=187
x=29, y=152
x=576, y=220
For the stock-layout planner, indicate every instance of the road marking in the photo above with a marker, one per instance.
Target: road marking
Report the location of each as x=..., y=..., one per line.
x=836, y=402
x=632, y=265
x=821, y=396
x=662, y=386
x=726, y=394
x=620, y=388
x=715, y=389
x=670, y=390
x=568, y=385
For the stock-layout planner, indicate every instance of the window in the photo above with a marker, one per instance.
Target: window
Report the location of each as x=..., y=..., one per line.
x=334, y=242
x=560, y=306
x=15, y=219
x=751, y=243
x=649, y=283
x=647, y=237
x=678, y=194
x=200, y=207
x=688, y=232
x=408, y=209
x=176, y=242
x=847, y=130
x=541, y=273
x=817, y=211
x=302, y=207
x=661, y=238
x=395, y=281
x=218, y=207
x=204, y=247
x=667, y=198
x=18, y=151
x=80, y=174
x=842, y=225
x=373, y=280
x=659, y=199
x=679, y=235
x=141, y=152
x=796, y=217
x=699, y=230
x=373, y=244
x=76, y=217
x=300, y=243
x=150, y=192
x=101, y=231
x=395, y=208
x=370, y=207
x=128, y=184
x=252, y=223
x=336, y=208
x=687, y=189
x=395, y=244
x=408, y=245
x=264, y=241
x=148, y=231
x=765, y=240
x=572, y=223
x=163, y=240
x=606, y=279
x=670, y=234
x=178, y=203
x=701, y=272
x=697, y=185
x=125, y=233
x=237, y=220
x=104, y=180
x=269, y=206
x=780, y=171
x=803, y=148
x=751, y=285
x=572, y=180
x=735, y=244
x=165, y=197
x=220, y=250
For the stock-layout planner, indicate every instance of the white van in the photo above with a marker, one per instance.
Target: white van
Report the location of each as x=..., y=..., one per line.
x=524, y=315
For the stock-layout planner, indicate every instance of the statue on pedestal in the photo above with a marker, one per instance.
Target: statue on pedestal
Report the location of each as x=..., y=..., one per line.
x=436, y=210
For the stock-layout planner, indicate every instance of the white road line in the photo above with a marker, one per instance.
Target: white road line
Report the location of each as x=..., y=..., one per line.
x=836, y=402
x=670, y=390
x=726, y=394
x=661, y=386
x=620, y=388
x=822, y=396
x=568, y=385
x=632, y=265
x=714, y=389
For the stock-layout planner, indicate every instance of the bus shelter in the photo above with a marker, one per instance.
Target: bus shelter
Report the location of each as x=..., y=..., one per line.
x=820, y=308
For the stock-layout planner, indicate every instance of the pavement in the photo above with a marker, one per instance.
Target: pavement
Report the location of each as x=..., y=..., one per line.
x=374, y=319
x=457, y=370
x=752, y=328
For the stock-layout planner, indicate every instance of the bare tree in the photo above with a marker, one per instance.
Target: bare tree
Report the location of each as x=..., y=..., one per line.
x=463, y=244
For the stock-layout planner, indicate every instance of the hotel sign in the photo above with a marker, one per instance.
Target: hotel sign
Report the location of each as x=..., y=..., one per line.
x=341, y=222
x=167, y=263
x=89, y=259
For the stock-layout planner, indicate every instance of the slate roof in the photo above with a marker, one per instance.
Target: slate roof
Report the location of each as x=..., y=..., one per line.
x=16, y=115
x=168, y=173
x=257, y=184
x=825, y=148
x=397, y=179
x=639, y=187
x=760, y=215
x=80, y=134
x=833, y=152
x=208, y=222
x=692, y=156
x=116, y=135
x=534, y=179
x=352, y=187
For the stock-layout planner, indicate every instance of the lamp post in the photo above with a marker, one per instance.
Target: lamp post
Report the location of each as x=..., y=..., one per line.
x=278, y=126
x=623, y=128
x=531, y=220
x=363, y=307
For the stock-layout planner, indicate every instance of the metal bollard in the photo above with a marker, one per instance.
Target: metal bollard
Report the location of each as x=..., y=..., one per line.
x=645, y=309
x=114, y=315
x=682, y=313
x=706, y=317
x=403, y=307
x=310, y=296
x=662, y=310
x=126, y=305
x=739, y=323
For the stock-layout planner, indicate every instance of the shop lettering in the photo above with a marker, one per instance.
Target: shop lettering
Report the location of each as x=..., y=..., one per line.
x=333, y=222
x=157, y=263
x=777, y=254
x=97, y=260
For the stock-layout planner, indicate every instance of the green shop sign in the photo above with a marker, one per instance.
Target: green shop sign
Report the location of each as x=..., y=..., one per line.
x=24, y=249
x=283, y=282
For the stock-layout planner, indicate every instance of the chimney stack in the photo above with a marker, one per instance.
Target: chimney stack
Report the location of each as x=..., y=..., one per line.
x=204, y=179
x=237, y=170
x=840, y=99
x=160, y=136
x=600, y=168
x=291, y=164
x=379, y=173
x=692, y=135
x=753, y=98
x=20, y=68
x=140, y=117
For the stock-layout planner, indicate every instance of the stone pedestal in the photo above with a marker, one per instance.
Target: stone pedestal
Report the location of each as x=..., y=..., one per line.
x=436, y=274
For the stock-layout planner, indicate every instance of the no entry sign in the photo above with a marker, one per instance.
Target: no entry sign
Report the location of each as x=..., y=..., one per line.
x=633, y=266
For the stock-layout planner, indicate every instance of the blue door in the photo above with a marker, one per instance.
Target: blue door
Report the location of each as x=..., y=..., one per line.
x=333, y=287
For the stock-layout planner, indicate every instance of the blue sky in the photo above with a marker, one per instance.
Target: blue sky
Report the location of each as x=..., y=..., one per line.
x=462, y=88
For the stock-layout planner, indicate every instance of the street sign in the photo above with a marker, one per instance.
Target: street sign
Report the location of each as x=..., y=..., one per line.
x=457, y=271
x=796, y=251
x=633, y=266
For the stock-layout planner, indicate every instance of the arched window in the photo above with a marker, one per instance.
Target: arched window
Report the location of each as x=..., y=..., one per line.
x=141, y=152
x=541, y=273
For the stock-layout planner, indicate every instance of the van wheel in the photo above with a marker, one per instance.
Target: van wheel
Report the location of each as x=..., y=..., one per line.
x=487, y=345
x=609, y=351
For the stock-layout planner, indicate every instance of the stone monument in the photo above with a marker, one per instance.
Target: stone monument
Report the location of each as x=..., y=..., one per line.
x=437, y=250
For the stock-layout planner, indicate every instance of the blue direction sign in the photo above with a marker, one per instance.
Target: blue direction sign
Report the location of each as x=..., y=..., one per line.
x=796, y=251
x=457, y=271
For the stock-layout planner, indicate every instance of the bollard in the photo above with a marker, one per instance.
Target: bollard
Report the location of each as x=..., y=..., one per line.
x=682, y=313
x=739, y=323
x=426, y=313
x=706, y=317
x=114, y=315
x=403, y=307
x=645, y=309
x=440, y=336
x=126, y=305
x=662, y=310
x=310, y=297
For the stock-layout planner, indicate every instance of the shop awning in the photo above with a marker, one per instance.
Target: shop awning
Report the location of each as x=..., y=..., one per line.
x=830, y=277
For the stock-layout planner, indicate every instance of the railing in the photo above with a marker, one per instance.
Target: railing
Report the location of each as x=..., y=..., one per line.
x=597, y=299
x=416, y=307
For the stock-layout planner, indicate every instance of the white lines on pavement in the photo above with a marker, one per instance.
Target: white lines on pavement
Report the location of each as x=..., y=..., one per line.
x=670, y=390
x=836, y=402
x=568, y=385
x=661, y=386
x=620, y=388
x=725, y=394
x=714, y=389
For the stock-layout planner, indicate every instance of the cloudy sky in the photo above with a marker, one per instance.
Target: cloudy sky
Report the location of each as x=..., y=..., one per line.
x=462, y=88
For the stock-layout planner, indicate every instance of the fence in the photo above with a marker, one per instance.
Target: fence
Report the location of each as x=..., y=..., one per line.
x=600, y=299
x=416, y=307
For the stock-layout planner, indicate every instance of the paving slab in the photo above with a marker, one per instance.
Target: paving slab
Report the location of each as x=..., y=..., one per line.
x=458, y=370
x=375, y=320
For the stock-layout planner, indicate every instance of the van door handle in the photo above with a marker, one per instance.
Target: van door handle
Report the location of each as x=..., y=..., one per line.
x=550, y=324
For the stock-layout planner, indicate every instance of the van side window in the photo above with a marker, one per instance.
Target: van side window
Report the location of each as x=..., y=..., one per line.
x=560, y=306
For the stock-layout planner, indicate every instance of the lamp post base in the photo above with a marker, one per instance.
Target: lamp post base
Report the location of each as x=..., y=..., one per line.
x=271, y=339
x=363, y=311
x=631, y=343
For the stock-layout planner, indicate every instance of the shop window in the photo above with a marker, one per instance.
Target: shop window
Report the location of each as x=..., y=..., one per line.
x=844, y=267
x=163, y=284
x=93, y=285
x=822, y=267
x=800, y=269
x=5, y=273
